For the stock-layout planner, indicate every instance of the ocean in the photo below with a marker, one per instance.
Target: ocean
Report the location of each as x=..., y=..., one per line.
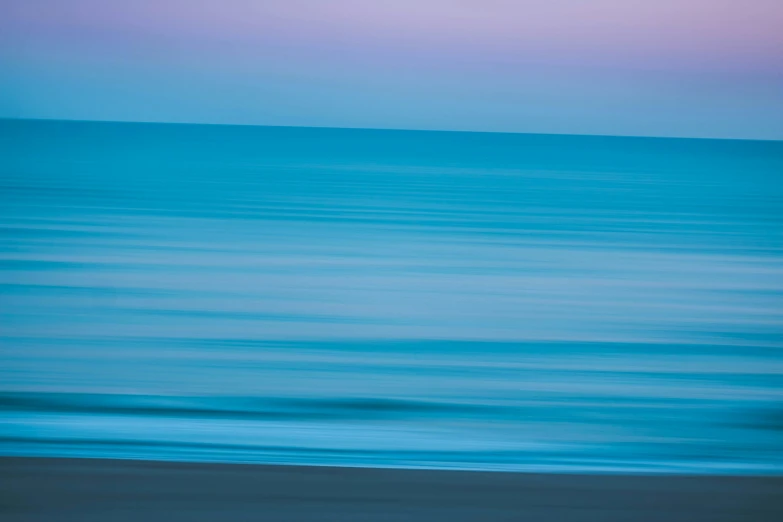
x=389, y=298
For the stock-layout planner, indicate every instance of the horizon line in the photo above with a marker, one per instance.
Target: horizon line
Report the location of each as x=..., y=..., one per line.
x=393, y=129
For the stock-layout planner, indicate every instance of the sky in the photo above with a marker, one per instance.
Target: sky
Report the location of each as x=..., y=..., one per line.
x=682, y=68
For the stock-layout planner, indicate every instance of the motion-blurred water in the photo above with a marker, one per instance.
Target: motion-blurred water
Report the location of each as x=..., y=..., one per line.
x=391, y=298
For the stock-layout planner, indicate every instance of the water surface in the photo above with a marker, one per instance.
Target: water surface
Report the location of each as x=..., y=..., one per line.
x=391, y=298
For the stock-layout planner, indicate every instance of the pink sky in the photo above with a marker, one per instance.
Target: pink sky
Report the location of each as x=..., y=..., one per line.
x=633, y=56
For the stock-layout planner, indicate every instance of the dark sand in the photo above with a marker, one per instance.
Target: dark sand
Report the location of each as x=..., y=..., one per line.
x=84, y=490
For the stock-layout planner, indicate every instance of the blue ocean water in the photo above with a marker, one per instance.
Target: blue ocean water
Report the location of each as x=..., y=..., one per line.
x=391, y=298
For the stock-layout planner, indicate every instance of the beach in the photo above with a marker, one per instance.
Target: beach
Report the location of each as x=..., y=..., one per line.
x=86, y=490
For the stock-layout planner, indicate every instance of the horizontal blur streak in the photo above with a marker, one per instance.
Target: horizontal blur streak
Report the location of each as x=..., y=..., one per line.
x=391, y=298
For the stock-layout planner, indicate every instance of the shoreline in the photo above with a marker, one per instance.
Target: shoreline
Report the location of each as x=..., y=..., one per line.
x=79, y=489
